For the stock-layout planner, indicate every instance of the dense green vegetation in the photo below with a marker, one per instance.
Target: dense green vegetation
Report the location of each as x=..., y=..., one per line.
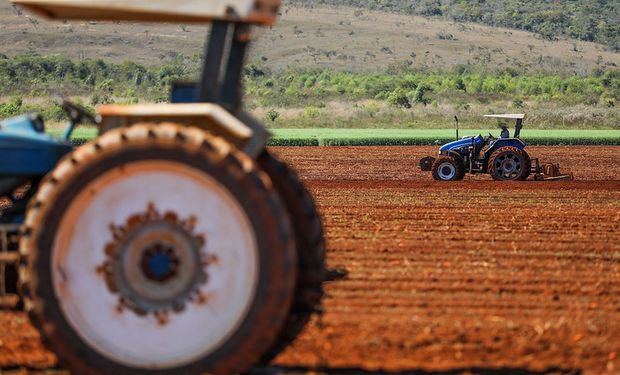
x=400, y=97
x=405, y=87
x=34, y=76
x=590, y=20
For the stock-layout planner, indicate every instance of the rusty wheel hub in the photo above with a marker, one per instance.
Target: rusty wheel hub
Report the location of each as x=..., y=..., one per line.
x=160, y=262
x=155, y=263
x=508, y=166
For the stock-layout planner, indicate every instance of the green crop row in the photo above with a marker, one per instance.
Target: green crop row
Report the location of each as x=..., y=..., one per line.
x=398, y=137
x=343, y=137
x=425, y=142
x=429, y=133
x=409, y=142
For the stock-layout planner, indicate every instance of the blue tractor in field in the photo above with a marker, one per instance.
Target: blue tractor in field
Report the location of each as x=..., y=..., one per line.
x=504, y=158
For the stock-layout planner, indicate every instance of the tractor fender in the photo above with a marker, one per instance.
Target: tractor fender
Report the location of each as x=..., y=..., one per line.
x=455, y=155
x=241, y=129
x=503, y=142
x=458, y=157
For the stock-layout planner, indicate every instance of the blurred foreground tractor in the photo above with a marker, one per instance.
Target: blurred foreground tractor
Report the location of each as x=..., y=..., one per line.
x=174, y=242
x=504, y=158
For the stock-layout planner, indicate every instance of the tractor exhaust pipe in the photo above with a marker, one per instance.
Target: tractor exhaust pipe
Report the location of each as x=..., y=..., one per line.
x=456, y=120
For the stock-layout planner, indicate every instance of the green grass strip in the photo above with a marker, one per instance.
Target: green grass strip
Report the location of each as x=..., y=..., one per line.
x=379, y=137
x=401, y=137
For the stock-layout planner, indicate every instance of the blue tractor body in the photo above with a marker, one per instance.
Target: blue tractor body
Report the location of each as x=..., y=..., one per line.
x=506, y=142
x=462, y=147
x=27, y=150
x=28, y=154
x=455, y=146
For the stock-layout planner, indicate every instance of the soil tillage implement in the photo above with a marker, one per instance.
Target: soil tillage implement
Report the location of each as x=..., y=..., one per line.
x=549, y=172
x=174, y=242
x=504, y=158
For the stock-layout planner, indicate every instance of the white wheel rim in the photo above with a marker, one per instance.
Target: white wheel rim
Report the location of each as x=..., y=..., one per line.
x=446, y=171
x=91, y=308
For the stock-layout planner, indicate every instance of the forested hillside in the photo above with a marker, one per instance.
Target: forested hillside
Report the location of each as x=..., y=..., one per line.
x=589, y=20
x=317, y=37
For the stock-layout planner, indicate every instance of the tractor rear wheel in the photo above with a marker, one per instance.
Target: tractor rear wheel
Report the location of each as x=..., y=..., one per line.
x=158, y=249
x=447, y=168
x=311, y=271
x=509, y=164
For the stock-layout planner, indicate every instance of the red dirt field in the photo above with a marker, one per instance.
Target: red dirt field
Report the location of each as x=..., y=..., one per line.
x=475, y=276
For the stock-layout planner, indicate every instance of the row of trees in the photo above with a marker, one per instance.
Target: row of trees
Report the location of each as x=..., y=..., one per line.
x=589, y=20
x=295, y=88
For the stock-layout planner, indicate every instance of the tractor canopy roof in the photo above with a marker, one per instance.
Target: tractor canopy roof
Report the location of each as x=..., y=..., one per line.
x=509, y=116
x=518, y=117
x=263, y=12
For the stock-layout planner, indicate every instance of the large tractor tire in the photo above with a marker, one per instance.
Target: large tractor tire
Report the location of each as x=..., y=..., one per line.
x=158, y=249
x=509, y=164
x=311, y=272
x=448, y=168
x=528, y=166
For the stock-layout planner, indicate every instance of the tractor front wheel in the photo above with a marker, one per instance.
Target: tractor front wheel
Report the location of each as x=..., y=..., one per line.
x=447, y=168
x=509, y=164
x=158, y=249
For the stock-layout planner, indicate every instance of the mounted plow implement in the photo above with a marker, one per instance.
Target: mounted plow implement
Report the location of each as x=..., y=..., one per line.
x=549, y=172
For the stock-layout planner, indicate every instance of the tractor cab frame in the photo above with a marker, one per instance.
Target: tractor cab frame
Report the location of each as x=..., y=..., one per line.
x=213, y=103
x=518, y=121
x=220, y=81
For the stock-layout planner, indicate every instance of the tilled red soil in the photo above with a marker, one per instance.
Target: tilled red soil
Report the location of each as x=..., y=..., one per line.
x=473, y=276
x=401, y=163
